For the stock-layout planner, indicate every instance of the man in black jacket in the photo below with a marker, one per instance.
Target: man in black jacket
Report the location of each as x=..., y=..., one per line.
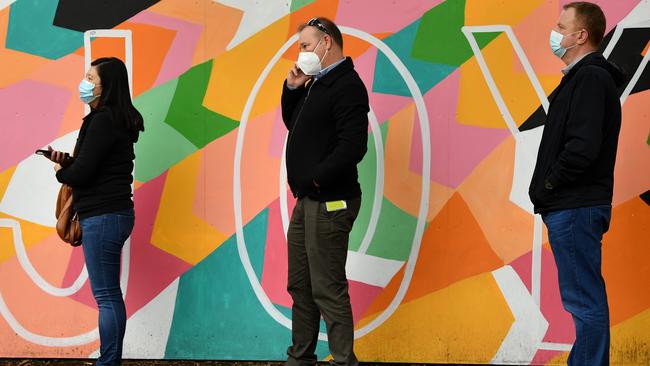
x=573, y=180
x=325, y=108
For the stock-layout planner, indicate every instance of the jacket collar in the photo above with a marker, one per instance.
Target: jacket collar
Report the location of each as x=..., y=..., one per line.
x=345, y=66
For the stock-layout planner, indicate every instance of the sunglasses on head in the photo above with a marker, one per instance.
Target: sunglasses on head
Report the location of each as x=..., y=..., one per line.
x=314, y=22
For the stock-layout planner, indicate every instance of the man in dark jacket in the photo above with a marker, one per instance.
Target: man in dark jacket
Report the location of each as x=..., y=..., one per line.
x=325, y=108
x=573, y=180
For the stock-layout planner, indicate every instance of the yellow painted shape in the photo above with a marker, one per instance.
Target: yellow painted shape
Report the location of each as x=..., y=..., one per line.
x=177, y=230
x=489, y=12
x=476, y=105
x=32, y=234
x=402, y=186
x=234, y=73
x=630, y=343
x=5, y=178
x=465, y=322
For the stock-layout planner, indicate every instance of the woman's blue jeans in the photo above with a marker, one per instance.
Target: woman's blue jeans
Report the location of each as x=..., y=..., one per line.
x=103, y=237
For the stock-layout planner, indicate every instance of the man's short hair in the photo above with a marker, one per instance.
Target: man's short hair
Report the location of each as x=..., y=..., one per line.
x=326, y=26
x=592, y=18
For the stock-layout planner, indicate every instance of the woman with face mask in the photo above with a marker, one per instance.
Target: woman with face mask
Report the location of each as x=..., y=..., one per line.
x=100, y=174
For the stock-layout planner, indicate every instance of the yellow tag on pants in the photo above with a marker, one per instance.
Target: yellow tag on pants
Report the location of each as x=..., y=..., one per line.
x=335, y=205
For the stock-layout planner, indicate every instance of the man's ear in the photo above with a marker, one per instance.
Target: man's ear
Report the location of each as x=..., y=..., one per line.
x=584, y=37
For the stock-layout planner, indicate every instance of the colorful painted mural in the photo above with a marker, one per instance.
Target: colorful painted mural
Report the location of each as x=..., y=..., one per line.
x=447, y=263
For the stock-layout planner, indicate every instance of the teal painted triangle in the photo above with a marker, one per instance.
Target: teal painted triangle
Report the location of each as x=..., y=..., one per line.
x=218, y=316
x=30, y=30
x=187, y=114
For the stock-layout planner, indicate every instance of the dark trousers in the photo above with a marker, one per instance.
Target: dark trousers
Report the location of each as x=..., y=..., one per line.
x=103, y=238
x=575, y=236
x=318, y=248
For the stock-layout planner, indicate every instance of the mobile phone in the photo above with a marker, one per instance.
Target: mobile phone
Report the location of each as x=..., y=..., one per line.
x=46, y=153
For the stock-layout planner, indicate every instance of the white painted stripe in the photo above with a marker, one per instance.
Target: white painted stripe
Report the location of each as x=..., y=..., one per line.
x=5, y=3
x=147, y=331
x=548, y=346
x=375, y=271
x=520, y=345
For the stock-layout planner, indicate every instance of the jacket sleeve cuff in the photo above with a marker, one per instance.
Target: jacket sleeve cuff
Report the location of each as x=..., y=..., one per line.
x=59, y=176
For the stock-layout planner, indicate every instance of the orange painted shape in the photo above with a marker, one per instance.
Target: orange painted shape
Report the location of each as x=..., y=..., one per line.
x=631, y=174
x=150, y=46
x=39, y=312
x=507, y=227
x=625, y=260
x=453, y=248
x=21, y=64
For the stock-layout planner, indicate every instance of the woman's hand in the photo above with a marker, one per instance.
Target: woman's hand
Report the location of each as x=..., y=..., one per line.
x=57, y=167
x=60, y=158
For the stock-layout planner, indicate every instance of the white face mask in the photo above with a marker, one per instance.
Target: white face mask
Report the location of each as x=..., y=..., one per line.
x=309, y=62
x=556, y=43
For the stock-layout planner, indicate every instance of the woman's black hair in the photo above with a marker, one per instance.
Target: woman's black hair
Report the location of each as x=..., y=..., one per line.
x=115, y=95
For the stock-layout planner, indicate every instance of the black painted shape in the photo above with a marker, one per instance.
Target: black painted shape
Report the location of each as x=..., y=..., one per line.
x=646, y=197
x=626, y=55
x=82, y=15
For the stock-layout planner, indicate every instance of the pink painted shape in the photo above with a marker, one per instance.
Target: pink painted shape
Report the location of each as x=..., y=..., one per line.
x=456, y=149
x=179, y=56
x=560, y=323
x=152, y=269
x=26, y=126
x=542, y=357
x=381, y=16
x=274, y=273
x=278, y=135
x=361, y=295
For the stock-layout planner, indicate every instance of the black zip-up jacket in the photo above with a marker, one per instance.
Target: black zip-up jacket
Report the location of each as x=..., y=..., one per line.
x=575, y=162
x=328, y=134
x=101, y=172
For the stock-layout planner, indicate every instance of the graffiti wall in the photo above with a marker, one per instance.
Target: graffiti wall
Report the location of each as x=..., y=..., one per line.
x=446, y=262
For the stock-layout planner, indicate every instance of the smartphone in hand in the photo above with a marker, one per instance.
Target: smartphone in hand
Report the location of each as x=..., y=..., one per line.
x=46, y=153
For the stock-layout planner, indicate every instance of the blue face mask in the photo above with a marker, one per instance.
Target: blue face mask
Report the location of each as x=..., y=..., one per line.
x=556, y=43
x=86, y=91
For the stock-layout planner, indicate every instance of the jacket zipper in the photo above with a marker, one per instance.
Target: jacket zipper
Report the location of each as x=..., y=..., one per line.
x=297, y=120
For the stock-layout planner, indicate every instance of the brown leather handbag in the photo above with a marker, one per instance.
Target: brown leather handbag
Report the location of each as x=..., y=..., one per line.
x=67, y=222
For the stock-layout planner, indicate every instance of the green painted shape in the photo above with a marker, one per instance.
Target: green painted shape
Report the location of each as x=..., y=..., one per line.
x=187, y=113
x=217, y=315
x=367, y=172
x=439, y=38
x=394, y=235
x=297, y=4
x=31, y=30
x=160, y=146
x=648, y=139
